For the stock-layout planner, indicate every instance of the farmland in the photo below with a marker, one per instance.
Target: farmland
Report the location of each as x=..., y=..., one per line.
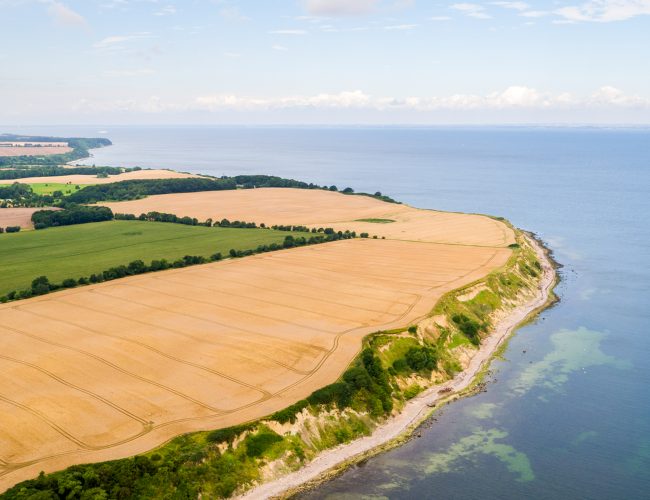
x=75, y=179
x=116, y=368
x=34, y=151
x=80, y=250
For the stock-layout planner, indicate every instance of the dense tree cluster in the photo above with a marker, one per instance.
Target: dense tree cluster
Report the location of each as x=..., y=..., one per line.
x=469, y=327
x=73, y=214
x=137, y=188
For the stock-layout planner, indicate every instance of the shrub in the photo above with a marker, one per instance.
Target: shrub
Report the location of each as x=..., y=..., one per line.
x=412, y=391
x=25, y=294
x=401, y=365
x=216, y=256
x=137, y=267
x=40, y=289
x=374, y=237
x=333, y=188
x=289, y=414
x=338, y=393
x=240, y=253
x=229, y=434
x=4, y=299
x=69, y=283
x=83, y=281
x=178, y=263
x=225, y=223
x=2, y=230
x=12, y=229
x=421, y=358
x=468, y=326
x=260, y=443
x=11, y=295
x=348, y=190
x=364, y=235
x=233, y=252
x=40, y=225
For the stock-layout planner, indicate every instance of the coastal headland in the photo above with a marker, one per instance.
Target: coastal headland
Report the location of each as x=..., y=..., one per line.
x=118, y=368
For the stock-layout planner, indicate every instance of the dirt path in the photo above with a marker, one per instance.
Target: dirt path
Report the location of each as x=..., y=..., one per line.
x=416, y=409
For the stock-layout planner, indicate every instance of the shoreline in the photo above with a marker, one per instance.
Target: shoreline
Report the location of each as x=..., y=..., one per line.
x=398, y=429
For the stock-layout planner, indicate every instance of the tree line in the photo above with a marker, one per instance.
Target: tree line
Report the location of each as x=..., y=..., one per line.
x=42, y=285
x=134, y=189
x=72, y=214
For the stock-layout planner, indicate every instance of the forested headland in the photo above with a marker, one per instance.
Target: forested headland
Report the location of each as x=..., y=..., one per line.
x=80, y=147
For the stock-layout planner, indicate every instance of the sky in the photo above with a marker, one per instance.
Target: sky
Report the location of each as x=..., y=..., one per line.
x=142, y=62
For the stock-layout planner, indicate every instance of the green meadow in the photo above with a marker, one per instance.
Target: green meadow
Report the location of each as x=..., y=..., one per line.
x=49, y=188
x=85, y=249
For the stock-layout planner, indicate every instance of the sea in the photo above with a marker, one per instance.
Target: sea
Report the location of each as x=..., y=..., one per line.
x=570, y=417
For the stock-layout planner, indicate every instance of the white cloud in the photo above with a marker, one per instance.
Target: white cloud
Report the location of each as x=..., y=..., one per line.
x=106, y=42
x=401, y=27
x=605, y=10
x=65, y=18
x=439, y=18
x=279, y=47
x=472, y=10
x=535, y=13
x=233, y=13
x=166, y=10
x=512, y=5
x=291, y=32
x=515, y=97
x=340, y=8
x=128, y=73
x=529, y=24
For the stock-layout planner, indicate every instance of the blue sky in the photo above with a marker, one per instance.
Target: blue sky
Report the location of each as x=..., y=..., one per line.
x=324, y=61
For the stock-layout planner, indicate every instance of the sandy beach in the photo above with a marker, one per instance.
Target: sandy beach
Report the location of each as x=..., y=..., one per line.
x=415, y=410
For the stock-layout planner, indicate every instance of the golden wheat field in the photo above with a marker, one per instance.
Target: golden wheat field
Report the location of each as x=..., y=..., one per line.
x=34, y=151
x=315, y=208
x=91, y=179
x=111, y=370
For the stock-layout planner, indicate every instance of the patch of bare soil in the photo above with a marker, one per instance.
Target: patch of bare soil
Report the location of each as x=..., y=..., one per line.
x=19, y=216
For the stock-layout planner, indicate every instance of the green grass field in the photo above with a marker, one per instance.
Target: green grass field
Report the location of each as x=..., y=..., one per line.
x=85, y=249
x=50, y=187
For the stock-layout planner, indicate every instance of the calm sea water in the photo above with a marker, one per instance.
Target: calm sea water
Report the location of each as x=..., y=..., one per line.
x=574, y=423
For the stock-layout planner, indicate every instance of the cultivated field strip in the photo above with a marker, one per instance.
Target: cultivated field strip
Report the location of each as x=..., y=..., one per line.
x=114, y=369
x=315, y=208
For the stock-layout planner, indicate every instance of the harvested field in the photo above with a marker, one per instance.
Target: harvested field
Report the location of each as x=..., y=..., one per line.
x=91, y=179
x=19, y=216
x=111, y=370
x=38, y=151
x=326, y=209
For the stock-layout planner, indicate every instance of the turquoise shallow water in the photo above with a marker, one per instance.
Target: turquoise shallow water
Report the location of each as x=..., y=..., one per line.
x=574, y=423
